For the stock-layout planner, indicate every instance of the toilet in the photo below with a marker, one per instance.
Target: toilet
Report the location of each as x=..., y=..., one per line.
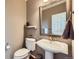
x=24, y=53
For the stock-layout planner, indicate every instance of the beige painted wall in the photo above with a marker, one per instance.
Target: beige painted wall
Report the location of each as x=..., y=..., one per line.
x=15, y=18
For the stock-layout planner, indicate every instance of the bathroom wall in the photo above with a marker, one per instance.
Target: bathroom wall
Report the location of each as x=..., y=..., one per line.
x=33, y=15
x=33, y=19
x=15, y=18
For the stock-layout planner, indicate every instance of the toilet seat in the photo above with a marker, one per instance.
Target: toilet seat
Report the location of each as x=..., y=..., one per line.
x=22, y=53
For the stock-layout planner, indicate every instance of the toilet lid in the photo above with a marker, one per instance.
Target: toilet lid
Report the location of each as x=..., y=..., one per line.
x=22, y=52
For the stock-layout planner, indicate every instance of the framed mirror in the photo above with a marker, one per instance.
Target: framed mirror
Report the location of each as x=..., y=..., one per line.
x=53, y=18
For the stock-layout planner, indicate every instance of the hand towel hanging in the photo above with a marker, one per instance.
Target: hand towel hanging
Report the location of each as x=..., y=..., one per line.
x=68, y=32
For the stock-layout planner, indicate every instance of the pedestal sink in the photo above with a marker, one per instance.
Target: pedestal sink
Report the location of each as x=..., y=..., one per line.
x=52, y=47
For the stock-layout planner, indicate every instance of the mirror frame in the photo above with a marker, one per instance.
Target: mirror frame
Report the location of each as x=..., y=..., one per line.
x=40, y=21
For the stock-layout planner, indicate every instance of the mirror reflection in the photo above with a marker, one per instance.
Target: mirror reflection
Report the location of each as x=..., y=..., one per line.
x=53, y=18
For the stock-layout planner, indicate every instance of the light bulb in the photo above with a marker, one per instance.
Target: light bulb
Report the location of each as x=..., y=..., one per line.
x=45, y=0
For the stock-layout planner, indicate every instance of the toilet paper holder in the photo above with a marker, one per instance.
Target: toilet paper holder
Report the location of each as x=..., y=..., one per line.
x=7, y=46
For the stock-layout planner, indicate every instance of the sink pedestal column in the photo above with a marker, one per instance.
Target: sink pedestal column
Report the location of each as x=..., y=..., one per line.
x=48, y=55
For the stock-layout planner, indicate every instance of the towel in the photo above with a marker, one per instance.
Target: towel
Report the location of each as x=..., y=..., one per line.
x=68, y=32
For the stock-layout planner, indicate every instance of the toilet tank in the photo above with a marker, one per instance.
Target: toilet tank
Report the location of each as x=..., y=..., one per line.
x=30, y=43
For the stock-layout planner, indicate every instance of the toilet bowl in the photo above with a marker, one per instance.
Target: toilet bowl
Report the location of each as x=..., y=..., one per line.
x=24, y=53
x=21, y=53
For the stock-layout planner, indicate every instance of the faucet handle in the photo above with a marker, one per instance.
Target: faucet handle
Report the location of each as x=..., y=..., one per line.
x=50, y=38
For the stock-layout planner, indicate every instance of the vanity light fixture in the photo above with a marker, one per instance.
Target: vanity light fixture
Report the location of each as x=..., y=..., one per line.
x=45, y=1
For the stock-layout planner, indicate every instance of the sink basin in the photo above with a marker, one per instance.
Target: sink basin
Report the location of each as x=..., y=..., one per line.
x=51, y=47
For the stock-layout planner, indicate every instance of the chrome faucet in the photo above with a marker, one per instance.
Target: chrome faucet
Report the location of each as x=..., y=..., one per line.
x=50, y=37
